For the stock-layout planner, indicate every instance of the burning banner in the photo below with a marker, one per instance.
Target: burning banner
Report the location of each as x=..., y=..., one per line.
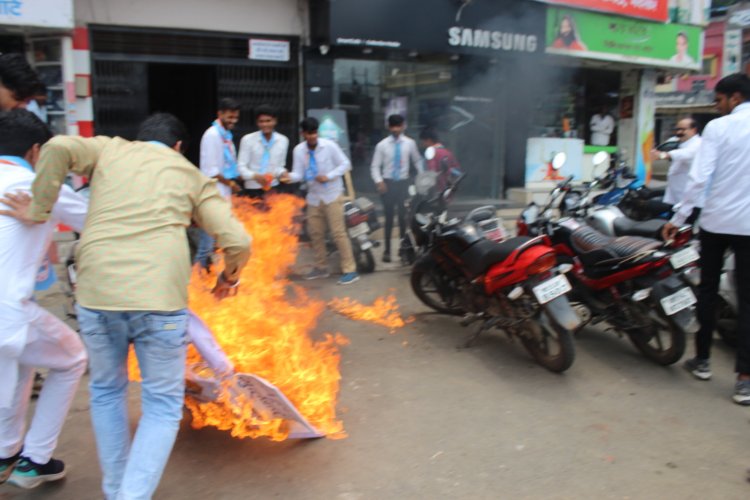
x=284, y=384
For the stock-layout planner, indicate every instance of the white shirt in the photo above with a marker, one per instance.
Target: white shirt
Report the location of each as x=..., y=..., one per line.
x=723, y=166
x=212, y=157
x=679, y=170
x=22, y=249
x=331, y=162
x=40, y=111
x=382, y=161
x=251, y=154
x=601, y=128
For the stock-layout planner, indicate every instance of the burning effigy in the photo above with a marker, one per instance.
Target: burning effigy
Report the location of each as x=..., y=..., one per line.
x=285, y=383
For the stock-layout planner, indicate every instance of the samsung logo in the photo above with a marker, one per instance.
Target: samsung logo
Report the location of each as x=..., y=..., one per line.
x=494, y=40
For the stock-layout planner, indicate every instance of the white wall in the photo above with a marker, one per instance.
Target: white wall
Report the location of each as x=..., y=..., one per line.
x=278, y=17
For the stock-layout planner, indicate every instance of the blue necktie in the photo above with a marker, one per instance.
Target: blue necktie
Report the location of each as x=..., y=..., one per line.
x=312, y=167
x=266, y=158
x=397, y=161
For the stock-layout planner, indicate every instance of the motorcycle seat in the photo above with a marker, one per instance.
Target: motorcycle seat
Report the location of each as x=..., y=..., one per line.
x=595, y=249
x=648, y=228
x=481, y=255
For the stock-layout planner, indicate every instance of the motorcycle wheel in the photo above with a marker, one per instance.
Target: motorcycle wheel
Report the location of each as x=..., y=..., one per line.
x=435, y=290
x=364, y=259
x=663, y=341
x=726, y=323
x=549, y=344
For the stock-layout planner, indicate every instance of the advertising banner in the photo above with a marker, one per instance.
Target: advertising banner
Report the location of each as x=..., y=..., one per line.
x=489, y=27
x=655, y=10
x=645, y=116
x=43, y=13
x=609, y=38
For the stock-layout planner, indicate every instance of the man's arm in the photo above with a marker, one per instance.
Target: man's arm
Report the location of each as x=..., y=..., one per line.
x=244, y=159
x=702, y=169
x=341, y=162
x=282, y=151
x=298, y=165
x=608, y=125
x=212, y=160
x=416, y=158
x=377, y=162
x=60, y=156
x=213, y=215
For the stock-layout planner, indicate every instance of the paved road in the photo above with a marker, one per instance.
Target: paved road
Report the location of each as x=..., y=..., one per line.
x=429, y=420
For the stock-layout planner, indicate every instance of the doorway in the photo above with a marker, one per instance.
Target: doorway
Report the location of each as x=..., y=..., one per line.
x=188, y=92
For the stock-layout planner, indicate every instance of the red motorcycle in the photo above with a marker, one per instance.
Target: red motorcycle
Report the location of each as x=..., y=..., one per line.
x=513, y=286
x=639, y=286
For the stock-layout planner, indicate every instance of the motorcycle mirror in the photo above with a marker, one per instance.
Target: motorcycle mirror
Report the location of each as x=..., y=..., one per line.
x=559, y=160
x=602, y=157
x=429, y=153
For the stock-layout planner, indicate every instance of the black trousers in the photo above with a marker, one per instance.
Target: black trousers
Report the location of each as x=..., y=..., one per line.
x=394, y=201
x=713, y=248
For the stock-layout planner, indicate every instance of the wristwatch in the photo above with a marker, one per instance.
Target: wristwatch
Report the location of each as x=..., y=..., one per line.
x=663, y=155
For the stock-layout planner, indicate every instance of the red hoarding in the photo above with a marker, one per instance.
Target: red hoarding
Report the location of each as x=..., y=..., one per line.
x=655, y=10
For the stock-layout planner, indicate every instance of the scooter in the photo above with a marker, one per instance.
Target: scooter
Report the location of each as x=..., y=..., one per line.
x=513, y=285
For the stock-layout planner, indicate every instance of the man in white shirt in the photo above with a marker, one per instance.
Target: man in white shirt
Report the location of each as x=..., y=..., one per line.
x=31, y=337
x=391, y=164
x=602, y=125
x=681, y=158
x=262, y=157
x=218, y=159
x=321, y=163
x=721, y=170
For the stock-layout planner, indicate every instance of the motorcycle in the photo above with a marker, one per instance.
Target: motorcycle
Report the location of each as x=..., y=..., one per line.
x=638, y=285
x=361, y=221
x=513, y=285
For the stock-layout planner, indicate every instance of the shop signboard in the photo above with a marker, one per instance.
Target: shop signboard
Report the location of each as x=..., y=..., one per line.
x=488, y=27
x=41, y=13
x=655, y=10
x=599, y=36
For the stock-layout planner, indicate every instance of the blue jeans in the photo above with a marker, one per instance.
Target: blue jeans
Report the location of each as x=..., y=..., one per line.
x=205, y=248
x=133, y=470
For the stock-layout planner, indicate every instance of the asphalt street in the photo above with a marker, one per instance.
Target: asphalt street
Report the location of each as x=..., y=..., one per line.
x=427, y=419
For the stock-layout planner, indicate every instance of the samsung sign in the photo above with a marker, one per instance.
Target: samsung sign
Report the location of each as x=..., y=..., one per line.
x=488, y=27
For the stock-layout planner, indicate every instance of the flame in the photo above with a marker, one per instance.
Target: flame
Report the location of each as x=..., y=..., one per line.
x=384, y=311
x=264, y=330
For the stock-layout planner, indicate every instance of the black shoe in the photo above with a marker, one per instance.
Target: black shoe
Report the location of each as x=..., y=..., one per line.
x=29, y=474
x=387, y=257
x=7, y=465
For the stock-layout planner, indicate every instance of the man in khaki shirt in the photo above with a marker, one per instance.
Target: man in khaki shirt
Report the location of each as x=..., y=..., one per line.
x=133, y=273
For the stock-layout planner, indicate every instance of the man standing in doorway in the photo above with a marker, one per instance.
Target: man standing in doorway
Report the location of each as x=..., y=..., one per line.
x=602, y=125
x=721, y=172
x=218, y=160
x=391, y=165
x=262, y=157
x=321, y=163
x=133, y=272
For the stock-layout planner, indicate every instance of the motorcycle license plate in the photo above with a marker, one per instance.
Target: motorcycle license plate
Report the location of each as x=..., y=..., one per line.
x=359, y=229
x=551, y=289
x=684, y=257
x=678, y=301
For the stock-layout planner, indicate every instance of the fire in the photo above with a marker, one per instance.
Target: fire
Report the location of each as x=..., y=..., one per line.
x=384, y=311
x=264, y=330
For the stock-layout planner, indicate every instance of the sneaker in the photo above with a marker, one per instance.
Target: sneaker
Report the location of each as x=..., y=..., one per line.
x=316, y=273
x=698, y=368
x=742, y=392
x=348, y=278
x=29, y=474
x=387, y=257
x=7, y=465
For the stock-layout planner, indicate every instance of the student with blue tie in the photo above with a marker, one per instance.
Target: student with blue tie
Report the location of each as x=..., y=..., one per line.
x=391, y=167
x=322, y=165
x=262, y=156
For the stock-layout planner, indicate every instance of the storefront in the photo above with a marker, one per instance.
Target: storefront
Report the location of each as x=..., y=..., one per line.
x=42, y=30
x=613, y=53
x=470, y=70
x=182, y=57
